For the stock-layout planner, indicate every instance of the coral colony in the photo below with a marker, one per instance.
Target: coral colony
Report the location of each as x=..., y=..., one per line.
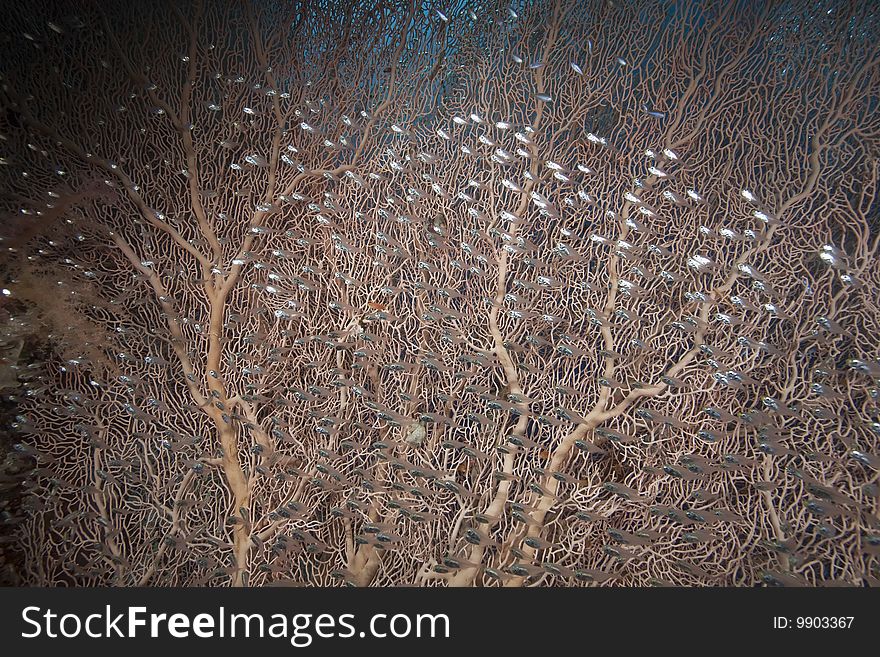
x=440, y=293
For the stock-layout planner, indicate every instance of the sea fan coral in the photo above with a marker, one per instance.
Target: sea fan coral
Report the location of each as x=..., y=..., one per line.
x=465, y=294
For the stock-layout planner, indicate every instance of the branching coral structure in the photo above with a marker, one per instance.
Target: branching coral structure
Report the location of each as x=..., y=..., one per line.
x=440, y=294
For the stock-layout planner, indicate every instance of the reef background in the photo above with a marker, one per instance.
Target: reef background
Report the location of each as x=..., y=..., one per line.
x=440, y=294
